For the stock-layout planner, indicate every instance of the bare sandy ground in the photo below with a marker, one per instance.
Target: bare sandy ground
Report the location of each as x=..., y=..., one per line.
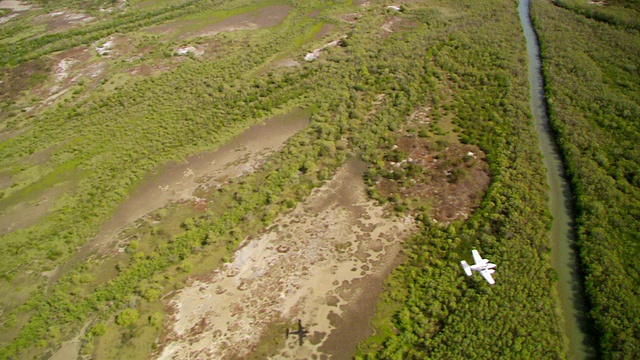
x=316, y=52
x=320, y=263
x=62, y=20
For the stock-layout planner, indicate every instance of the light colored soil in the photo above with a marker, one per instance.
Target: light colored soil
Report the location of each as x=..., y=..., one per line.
x=119, y=46
x=14, y=5
x=144, y=70
x=5, y=19
x=286, y=63
x=280, y=63
x=316, y=52
x=319, y=263
x=350, y=18
x=388, y=26
x=71, y=65
x=186, y=50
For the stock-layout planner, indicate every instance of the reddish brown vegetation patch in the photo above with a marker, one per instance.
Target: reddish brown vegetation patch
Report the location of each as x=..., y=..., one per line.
x=22, y=77
x=451, y=178
x=396, y=24
x=433, y=173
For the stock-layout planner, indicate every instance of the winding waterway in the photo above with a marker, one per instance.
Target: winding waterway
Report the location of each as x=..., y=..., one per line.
x=562, y=235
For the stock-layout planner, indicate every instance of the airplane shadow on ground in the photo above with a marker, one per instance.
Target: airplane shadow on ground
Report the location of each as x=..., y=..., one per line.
x=302, y=332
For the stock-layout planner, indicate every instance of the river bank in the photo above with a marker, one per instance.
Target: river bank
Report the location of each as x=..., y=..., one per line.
x=562, y=235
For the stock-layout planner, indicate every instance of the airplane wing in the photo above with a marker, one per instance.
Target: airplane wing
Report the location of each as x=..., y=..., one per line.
x=466, y=267
x=486, y=274
x=476, y=257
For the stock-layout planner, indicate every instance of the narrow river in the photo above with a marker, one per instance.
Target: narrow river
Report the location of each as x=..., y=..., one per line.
x=562, y=235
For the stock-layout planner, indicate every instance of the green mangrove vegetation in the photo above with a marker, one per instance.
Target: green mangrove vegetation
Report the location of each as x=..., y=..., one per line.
x=593, y=95
x=91, y=109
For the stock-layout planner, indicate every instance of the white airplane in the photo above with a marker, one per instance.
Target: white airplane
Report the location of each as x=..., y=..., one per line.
x=482, y=265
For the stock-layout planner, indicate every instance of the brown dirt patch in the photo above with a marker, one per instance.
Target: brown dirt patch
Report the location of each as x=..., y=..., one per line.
x=264, y=17
x=350, y=18
x=22, y=77
x=80, y=53
x=6, y=181
x=314, y=13
x=286, y=63
x=324, y=31
x=443, y=176
x=396, y=23
x=66, y=69
x=141, y=70
x=125, y=46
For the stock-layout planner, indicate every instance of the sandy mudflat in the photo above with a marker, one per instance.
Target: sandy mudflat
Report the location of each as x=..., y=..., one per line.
x=322, y=263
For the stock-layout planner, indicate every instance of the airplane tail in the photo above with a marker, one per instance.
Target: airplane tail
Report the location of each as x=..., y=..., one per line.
x=466, y=267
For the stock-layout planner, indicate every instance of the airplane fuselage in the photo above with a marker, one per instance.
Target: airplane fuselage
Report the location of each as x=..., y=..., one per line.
x=480, y=267
x=483, y=266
